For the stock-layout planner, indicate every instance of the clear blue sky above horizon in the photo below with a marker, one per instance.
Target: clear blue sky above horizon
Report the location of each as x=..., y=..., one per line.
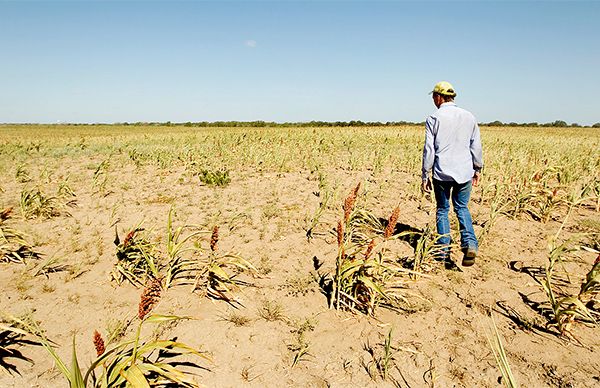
x=114, y=61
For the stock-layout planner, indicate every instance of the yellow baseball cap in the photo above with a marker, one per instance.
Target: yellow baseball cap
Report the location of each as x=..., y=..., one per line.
x=444, y=88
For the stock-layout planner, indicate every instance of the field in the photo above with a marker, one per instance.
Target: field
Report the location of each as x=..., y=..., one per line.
x=293, y=257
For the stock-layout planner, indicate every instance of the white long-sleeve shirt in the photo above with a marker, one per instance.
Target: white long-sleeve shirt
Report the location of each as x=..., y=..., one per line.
x=452, y=145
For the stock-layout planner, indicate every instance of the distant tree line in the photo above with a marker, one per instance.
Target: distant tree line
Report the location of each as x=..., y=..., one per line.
x=557, y=123
x=261, y=124
x=352, y=123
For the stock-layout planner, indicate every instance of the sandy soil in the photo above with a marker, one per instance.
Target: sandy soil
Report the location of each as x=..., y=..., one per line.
x=441, y=342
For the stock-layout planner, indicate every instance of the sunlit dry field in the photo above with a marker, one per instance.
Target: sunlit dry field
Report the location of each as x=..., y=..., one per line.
x=292, y=257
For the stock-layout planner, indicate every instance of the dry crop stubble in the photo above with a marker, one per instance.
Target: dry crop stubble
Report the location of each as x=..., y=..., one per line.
x=182, y=261
x=14, y=338
x=566, y=162
x=366, y=274
x=569, y=309
x=137, y=362
x=14, y=246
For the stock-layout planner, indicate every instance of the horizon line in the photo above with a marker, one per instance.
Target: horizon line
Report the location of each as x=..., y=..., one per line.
x=263, y=123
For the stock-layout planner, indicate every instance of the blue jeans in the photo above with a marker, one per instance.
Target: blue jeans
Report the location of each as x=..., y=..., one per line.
x=460, y=198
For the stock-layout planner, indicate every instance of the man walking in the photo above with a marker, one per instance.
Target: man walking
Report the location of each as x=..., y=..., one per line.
x=453, y=151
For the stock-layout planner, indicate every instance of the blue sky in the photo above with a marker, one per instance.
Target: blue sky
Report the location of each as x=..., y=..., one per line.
x=112, y=61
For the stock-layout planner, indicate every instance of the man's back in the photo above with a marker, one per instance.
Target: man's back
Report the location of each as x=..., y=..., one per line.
x=454, y=135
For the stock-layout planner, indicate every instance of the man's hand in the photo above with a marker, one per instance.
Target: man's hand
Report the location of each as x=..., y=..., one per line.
x=476, y=177
x=426, y=186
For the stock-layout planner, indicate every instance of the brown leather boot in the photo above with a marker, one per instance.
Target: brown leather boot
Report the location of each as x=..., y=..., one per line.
x=469, y=257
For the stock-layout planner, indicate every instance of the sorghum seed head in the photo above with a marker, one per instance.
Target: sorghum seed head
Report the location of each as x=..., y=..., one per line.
x=349, y=202
x=149, y=298
x=389, y=229
x=98, y=343
x=214, y=239
x=347, y=207
x=340, y=233
x=128, y=238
